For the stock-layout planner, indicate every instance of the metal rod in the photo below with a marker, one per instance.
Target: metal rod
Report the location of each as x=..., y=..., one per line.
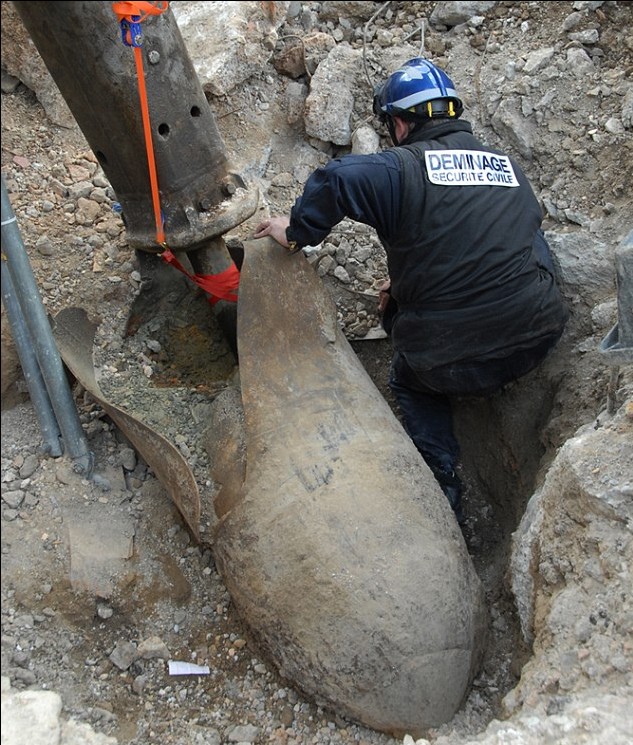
x=32, y=373
x=46, y=352
x=624, y=276
x=617, y=345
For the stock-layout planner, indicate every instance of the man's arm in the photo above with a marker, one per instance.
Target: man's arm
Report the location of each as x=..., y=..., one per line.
x=364, y=188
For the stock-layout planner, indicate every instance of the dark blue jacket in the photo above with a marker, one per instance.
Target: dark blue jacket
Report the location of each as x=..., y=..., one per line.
x=458, y=222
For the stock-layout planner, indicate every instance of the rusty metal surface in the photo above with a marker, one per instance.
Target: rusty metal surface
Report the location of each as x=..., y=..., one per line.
x=202, y=197
x=74, y=334
x=337, y=545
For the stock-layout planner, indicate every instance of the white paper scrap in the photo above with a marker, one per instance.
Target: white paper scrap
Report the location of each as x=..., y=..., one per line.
x=187, y=668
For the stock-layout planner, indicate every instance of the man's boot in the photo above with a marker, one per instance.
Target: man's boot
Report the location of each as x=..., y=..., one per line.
x=451, y=485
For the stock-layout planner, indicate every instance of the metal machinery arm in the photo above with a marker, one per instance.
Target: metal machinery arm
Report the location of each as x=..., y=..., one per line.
x=200, y=197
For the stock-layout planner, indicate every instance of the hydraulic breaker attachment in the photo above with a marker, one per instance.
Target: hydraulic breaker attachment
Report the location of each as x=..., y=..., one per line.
x=201, y=197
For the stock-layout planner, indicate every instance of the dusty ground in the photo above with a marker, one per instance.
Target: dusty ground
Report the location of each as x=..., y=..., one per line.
x=102, y=580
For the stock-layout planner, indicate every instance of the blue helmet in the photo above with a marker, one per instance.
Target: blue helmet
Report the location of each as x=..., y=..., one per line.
x=417, y=91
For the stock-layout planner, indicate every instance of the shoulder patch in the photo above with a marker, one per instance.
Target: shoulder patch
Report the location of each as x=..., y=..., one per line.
x=469, y=168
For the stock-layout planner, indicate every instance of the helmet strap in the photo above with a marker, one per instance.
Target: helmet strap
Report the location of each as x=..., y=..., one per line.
x=391, y=126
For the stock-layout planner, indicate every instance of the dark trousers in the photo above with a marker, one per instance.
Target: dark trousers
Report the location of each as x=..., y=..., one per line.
x=424, y=400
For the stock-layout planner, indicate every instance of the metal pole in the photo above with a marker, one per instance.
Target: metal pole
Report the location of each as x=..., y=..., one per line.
x=46, y=352
x=32, y=373
x=617, y=346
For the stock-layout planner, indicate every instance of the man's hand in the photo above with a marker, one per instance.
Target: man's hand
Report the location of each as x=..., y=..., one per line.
x=383, y=295
x=275, y=227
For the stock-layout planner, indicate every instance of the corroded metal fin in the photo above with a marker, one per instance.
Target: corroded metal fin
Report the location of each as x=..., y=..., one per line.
x=74, y=334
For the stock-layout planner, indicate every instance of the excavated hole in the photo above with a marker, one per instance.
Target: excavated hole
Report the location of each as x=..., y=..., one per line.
x=501, y=441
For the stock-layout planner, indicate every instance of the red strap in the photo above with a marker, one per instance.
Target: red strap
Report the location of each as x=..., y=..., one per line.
x=220, y=286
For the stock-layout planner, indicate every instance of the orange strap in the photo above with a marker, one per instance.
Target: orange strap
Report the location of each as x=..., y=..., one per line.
x=138, y=12
x=158, y=218
x=134, y=13
x=130, y=14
